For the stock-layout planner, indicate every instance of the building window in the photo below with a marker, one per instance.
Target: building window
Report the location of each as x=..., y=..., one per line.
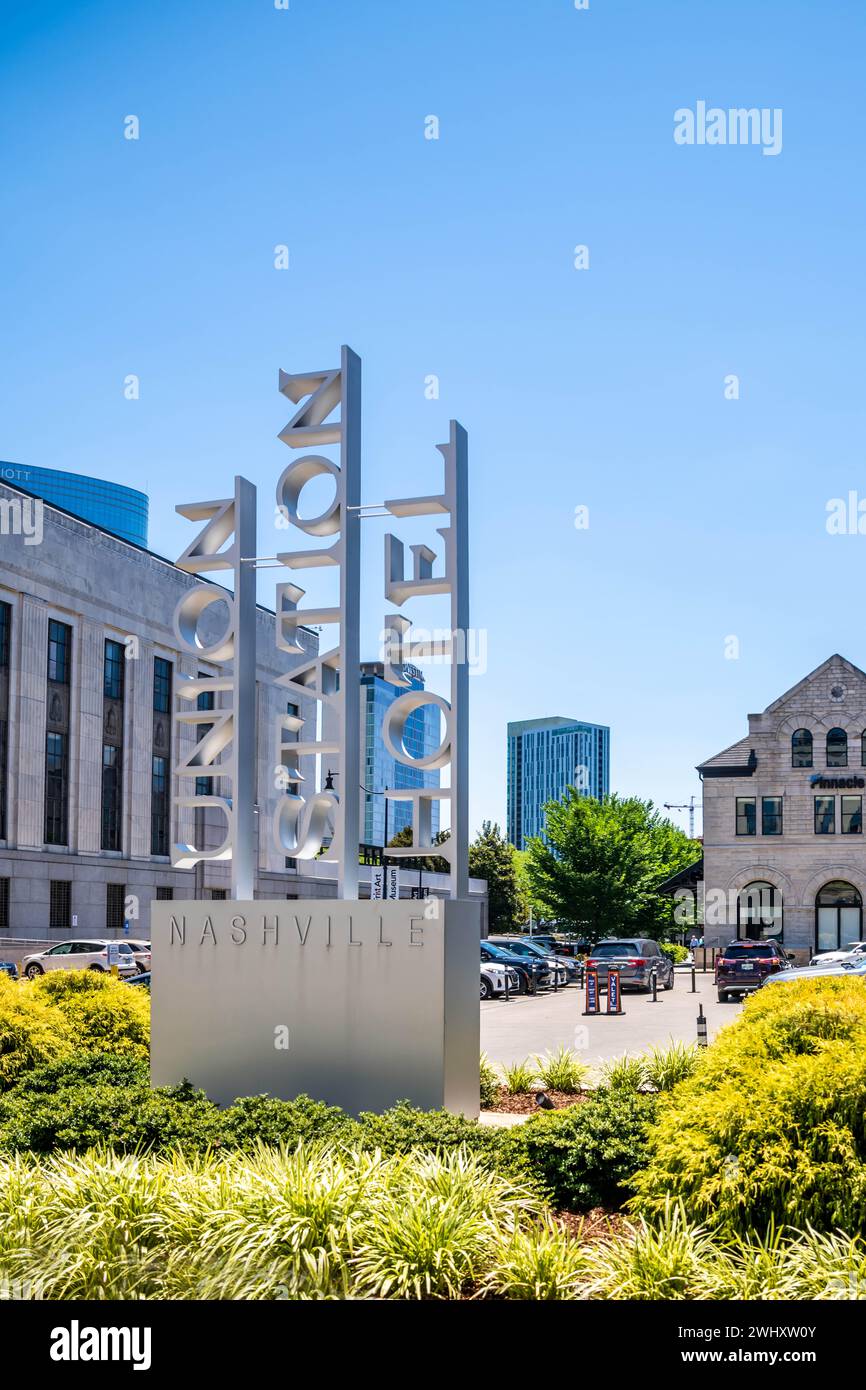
x=837, y=748
x=801, y=748
x=159, y=807
x=863, y=749
x=771, y=815
x=4, y=903
x=164, y=895
x=825, y=815
x=115, y=899
x=111, y=798
x=218, y=894
x=161, y=685
x=746, y=815
x=838, y=916
x=60, y=904
x=5, y=625
x=59, y=648
x=56, y=799
x=852, y=815
x=112, y=686
x=759, y=912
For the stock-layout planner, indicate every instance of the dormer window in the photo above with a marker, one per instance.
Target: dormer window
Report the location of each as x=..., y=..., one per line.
x=801, y=748
x=837, y=748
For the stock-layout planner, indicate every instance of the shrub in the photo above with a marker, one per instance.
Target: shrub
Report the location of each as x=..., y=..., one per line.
x=123, y=1118
x=772, y=1129
x=561, y=1070
x=489, y=1082
x=99, y=1012
x=584, y=1156
x=31, y=1031
x=519, y=1077
x=266, y=1120
x=678, y=954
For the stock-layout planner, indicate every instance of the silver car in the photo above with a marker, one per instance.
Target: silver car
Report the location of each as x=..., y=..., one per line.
x=855, y=970
x=856, y=951
x=91, y=954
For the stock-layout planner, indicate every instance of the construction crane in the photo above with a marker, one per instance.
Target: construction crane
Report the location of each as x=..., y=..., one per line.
x=687, y=806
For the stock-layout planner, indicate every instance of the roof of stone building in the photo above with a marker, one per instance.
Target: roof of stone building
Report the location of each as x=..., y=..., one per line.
x=737, y=755
x=837, y=662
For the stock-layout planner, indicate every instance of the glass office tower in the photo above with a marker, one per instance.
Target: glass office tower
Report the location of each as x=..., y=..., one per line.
x=544, y=757
x=115, y=508
x=380, y=770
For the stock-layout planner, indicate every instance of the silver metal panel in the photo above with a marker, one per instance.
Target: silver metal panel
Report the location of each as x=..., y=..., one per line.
x=378, y=1001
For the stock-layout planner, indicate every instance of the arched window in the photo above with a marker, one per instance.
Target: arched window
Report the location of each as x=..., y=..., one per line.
x=837, y=748
x=838, y=916
x=801, y=748
x=759, y=912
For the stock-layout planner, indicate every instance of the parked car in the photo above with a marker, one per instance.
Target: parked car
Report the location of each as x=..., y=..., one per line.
x=494, y=978
x=78, y=955
x=568, y=946
x=848, y=969
x=742, y=966
x=532, y=973
x=9, y=968
x=141, y=951
x=856, y=951
x=142, y=979
x=636, y=957
x=564, y=970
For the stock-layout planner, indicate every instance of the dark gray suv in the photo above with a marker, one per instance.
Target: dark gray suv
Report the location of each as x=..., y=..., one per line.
x=636, y=958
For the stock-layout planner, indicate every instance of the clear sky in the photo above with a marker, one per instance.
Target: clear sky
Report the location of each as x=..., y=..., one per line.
x=602, y=388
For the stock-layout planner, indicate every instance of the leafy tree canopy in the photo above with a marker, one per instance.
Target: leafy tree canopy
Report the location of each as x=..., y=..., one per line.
x=600, y=863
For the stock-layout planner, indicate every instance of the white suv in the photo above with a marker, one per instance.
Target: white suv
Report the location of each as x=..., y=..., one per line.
x=78, y=955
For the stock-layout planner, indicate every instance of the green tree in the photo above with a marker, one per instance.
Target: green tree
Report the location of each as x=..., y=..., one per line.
x=491, y=857
x=433, y=863
x=599, y=865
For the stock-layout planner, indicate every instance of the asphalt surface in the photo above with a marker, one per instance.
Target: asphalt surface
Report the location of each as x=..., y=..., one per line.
x=526, y=1026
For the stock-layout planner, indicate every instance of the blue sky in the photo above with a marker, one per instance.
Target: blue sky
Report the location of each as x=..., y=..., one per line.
x=602, y=388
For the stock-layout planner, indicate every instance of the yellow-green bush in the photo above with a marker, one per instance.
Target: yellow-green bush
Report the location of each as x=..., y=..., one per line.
x=99, y=1012
x=772, y=1128
x=29, y=1032
x=65, y=1012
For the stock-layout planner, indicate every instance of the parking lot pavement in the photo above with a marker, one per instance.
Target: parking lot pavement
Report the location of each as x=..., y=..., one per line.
x=525, y=1026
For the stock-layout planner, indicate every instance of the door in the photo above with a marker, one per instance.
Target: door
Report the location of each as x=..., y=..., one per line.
x=55, y=960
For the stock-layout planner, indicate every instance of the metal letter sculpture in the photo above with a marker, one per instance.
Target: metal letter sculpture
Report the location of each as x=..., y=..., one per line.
x=232, y=728
x=303, y=817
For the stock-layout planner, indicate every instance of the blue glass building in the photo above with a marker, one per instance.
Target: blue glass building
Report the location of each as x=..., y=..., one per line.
x=380, y=770
x=111, y=506
x=544, y=757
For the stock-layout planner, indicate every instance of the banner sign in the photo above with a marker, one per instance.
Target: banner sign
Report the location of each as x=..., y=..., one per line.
x=613, y=991
x=591, y=992
x=392, y=883
x=377, y=883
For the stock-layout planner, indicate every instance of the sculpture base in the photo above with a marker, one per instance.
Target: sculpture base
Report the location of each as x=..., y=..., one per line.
x=359, y=1004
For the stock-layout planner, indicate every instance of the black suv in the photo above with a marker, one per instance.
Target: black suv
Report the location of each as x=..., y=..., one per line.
x=742, y=966
x=531, y=974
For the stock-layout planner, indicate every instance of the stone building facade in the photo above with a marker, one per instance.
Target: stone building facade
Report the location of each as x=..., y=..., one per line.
x=784, y=853
x=88, y=669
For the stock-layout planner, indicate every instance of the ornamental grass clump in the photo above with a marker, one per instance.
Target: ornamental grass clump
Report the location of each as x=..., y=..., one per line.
x=770, y=1131
x=561, y=1070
